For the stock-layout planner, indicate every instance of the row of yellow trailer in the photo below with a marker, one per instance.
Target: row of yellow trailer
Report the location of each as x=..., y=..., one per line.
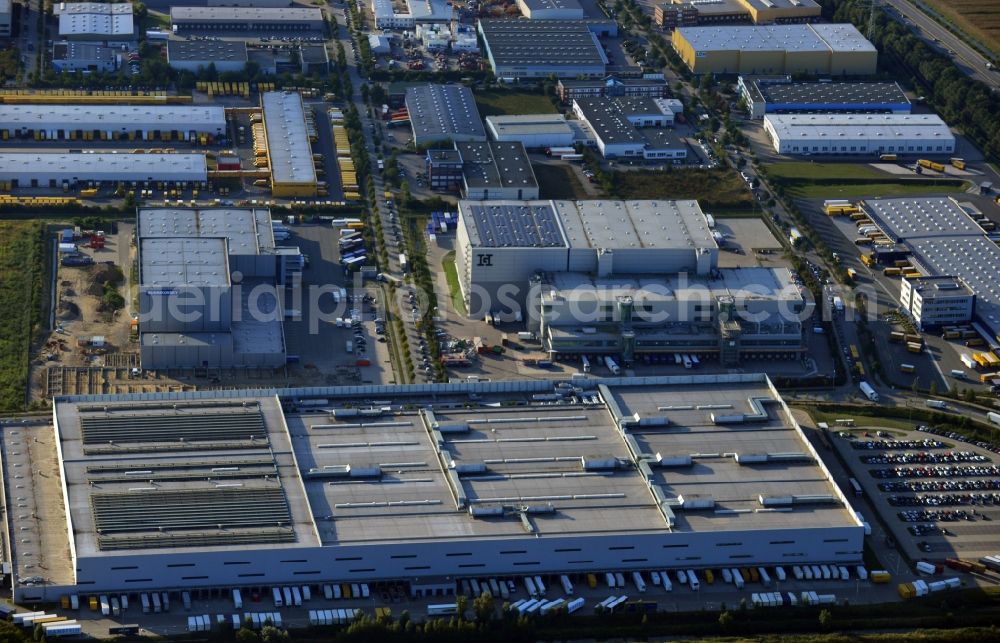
x=955, y=162
x=221, y=88
x=38, y=201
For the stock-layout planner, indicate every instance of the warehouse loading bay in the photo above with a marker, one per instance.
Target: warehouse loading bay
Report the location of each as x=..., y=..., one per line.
x=91, y=351
x=748, y=243
x=939, y=355
x=305, y=604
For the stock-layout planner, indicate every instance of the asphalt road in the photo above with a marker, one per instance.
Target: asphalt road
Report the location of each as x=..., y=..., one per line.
x=970, y=61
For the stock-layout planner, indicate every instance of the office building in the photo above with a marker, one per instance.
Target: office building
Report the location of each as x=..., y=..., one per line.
x=569, y=89
x=519, y=49
x=854, y=134
x=443, y=113
x=627, y=474
x=837, y=49
x=780, y=95
x=249, y=21
x=194, y=55
x=191, y=313
x=483, y=170
x=417, y=12
x=937, y=301
x=633, y=128
x=84, y=57
x=551, y=9
x=941, y=238
x=111, y=23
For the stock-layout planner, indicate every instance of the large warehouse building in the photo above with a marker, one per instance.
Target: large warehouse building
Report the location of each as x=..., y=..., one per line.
x=195, y=55
x=837, y=49
x=53, y=169
x=443, y=113
x=645, y=473
x=289, y=148
x=537, y=130
x=96, y=21
x=190, y=313
x=780, y=95
x=542, y=48
x=249, y=21
x=632, y=128
x=852, y=134
x=501, y=245
x=71, y=122
x=942, y=240
x=551, y=9
x=686, y=13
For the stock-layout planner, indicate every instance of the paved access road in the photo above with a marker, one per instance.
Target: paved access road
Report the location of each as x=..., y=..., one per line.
x=967, y=58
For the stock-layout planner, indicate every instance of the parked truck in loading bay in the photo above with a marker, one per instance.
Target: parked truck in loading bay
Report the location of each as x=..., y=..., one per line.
x=868, y=391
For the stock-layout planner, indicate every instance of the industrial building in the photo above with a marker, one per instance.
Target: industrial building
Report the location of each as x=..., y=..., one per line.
x=941, y=239
x=635, y=128
x=686, y=13
x=193, y=55
x=626, y=474
x=96, y=21
x=191, y=313
x=85, y=56
x=55, y=169
x=247, y=3
x=538, y=130
x=733, y=314
x=569, y=89
x=837, y=49
x=483, y=170
x=289, y=148
x=937, y=301
x=504, y=244
x=551, y=9
x=852, y=134
x=314, y=58
x=780, y=95
x=542, y=48
x=443, y=113
x=250, y=21
x=417, y=12
x=6, y=17
x=70, y=122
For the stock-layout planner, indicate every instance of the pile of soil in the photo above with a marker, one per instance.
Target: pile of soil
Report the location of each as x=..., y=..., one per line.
x=102, y=274
x=68, y=310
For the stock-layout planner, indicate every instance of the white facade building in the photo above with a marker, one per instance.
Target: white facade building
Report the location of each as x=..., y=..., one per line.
x=51, y=169
x=532, y=130
x=937, y=301
x=853, y=134
x=58, y=121
x=418, y=11
x=95, y=21
x=551, y=9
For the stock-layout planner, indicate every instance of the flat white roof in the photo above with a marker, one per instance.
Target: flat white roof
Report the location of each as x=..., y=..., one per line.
x=114, y=117
x=247, y=14
x=422, y=10
x=838, y=37
x=789, y=127
x=105, y=166
x=94, y=18
x=525, y=124
x=287, y=138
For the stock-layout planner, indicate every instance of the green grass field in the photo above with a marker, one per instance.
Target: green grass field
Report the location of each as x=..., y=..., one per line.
x=872, y=190
x=558, y=182
x=500, y=102
x=156, y=20
x=454, y=290
x=22, y=270
x=713, y=188
x=805, y=170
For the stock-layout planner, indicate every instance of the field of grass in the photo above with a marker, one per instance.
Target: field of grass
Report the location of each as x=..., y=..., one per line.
x=805, y=170
x=872, y=190
x=156, y=20
x=713, y=188
x=558, y=182
x=979, y=18
x=454, y=290
x=22, y=271
x=500, y=102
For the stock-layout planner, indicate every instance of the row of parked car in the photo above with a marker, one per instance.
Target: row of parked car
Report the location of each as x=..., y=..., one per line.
x=948, y=499
x=940, y=485
x=937, y=472
x=924, y=457
x=960, y=438
x=943, y=515
x=896, y=445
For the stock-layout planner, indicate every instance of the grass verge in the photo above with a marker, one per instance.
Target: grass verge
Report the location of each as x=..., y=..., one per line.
x=979, y=18
x=451, y=274
x=712, y=188
x=22, y=272
x=558, y=182
x=806, y=170
x=872, y=190
x=498, y=102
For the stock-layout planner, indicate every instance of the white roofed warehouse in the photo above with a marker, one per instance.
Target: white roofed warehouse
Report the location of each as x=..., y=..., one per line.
x=97, y=21
x=850, y=134
x=289, y=134
x=118, y=122
x=52, y=169
x=235, y=492
x=248, y=21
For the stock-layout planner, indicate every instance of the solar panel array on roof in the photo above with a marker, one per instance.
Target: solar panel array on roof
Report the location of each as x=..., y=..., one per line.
x=517, y=226
x=241, y=424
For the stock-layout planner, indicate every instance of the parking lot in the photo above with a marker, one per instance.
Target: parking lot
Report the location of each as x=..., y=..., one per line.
x=937, y=493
